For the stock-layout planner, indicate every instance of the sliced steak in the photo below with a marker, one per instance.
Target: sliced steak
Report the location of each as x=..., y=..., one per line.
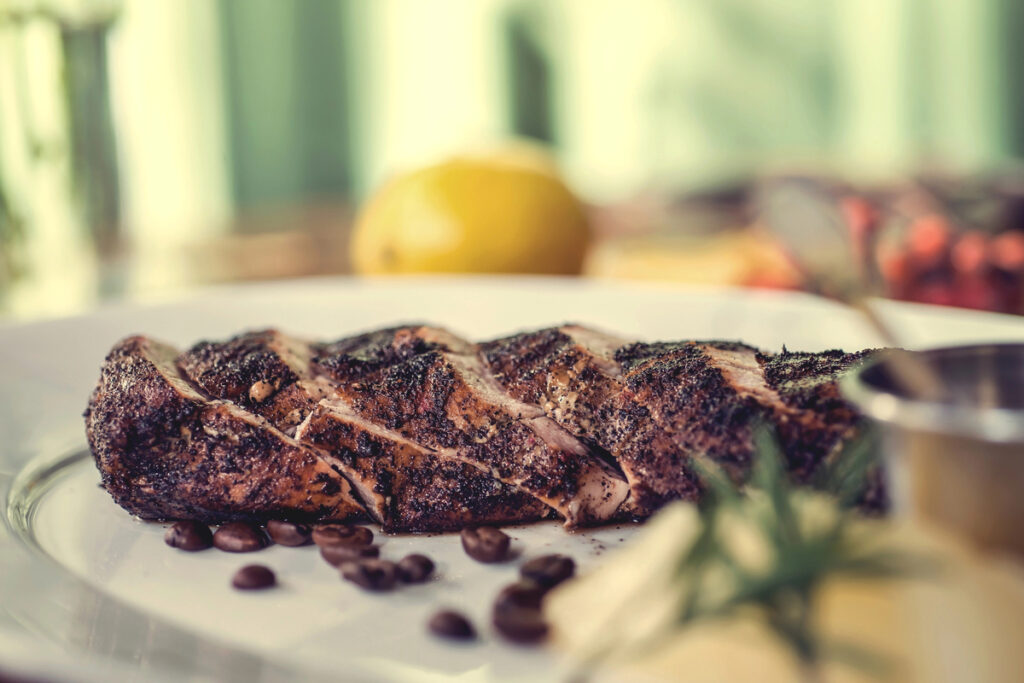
x=404, y=486
x=353, y=358
x=265, y=372
x=569, y=371
x=675, y=404
x=448, y=401
x=165, y=451
x=407, y=487
x=683, y=399
x=651, y=406
x=438, y=433
x=807, y=384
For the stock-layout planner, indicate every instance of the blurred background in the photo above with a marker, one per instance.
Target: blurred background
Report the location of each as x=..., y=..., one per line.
x=148, y=146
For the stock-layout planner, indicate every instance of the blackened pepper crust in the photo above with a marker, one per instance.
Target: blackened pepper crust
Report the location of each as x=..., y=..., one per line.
x=353, y=358
x=809, y=383
x=437, y=437
x=229, y=370
x=676, y=404
x=559, y=372
x=409, y=488
x=444, y=400
x=165, y=451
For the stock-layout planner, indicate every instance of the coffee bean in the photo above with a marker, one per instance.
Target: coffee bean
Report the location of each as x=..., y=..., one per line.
x=239, y=537
x=548, y=571
x=415, y=568
x=449, y=624
x=374, y=575
x=288, y=533
x=521, y=625
x=253, y=577
x=189, y=536
x=345, y=534
x=485, y=544
x=337, y=553
x=519, y=595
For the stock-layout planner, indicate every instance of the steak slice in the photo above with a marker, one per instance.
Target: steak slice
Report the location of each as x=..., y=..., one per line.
x=683, y=399
x=404, y=486
x=165, y=451
x=265, y=372
x=353, y=358
x=407, y=487
x=282, y=378
x=624, y=402
x=677, y=402
x=808, y=385
x=569, y=371
x=449, y=402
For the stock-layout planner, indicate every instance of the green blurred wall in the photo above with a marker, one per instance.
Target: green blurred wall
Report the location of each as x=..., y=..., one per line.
x=287, y=99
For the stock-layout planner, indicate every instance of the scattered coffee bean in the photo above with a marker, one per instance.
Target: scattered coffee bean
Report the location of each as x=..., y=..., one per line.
x=374, y=575
x=519, y=595
x=253, y=577
x=415, y=568
x=548, y=571
x=337, y=553
x=189, y=536
x=345, y=534
x=521, y=625
x=239, y=537
x=449, y=624
x=485, y=544
x=288, y=533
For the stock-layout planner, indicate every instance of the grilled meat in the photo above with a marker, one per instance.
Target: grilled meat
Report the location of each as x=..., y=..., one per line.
x=449, y=401
x=165, y=451
x=402, y=485
x=676, y=403
x=651, y=406
x=265, y=372
x=407, y=487
x=569, y=371
x=353, y=358
x=655, y=406
x=808, y=384
x=428, y=431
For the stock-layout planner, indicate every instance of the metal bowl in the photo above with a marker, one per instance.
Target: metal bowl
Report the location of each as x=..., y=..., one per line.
x=958, y=463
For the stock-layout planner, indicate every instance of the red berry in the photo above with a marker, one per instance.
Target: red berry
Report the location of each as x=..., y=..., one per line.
x=929, y=239
x=1007, y=251
x=969, y=254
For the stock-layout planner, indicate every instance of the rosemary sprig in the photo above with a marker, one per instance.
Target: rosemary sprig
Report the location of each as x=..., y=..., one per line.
x=764, y=549
x=804, y=548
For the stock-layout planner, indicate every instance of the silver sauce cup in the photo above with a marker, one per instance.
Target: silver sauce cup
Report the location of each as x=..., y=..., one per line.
x=957, y=464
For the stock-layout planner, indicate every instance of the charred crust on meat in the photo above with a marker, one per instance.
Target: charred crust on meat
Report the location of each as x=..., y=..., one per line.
x=428, y=432
x=807, y=383
x=229, y=370
x=410, y=488
x=165, y=451
x=352, y=358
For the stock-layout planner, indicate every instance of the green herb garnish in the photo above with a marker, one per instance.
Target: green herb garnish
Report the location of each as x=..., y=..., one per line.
x=766, y=549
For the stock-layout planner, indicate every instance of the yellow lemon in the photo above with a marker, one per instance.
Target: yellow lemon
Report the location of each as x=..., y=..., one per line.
x=497, y=213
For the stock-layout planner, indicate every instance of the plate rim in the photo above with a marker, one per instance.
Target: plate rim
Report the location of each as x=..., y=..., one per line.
x=19, y=553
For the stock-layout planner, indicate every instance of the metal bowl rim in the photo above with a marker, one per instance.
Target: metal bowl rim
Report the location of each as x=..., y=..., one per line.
x=996, y=425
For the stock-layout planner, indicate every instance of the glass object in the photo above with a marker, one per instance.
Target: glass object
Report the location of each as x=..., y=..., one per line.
x=59, y=192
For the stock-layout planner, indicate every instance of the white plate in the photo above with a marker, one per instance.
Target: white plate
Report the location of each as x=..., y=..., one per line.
x=88, y=593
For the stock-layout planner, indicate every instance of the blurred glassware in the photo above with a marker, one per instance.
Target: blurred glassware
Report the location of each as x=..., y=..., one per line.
x=59, y=190
x=957, y=463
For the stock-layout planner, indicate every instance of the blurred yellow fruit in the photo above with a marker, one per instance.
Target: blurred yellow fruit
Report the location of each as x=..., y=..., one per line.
x=498, y=213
